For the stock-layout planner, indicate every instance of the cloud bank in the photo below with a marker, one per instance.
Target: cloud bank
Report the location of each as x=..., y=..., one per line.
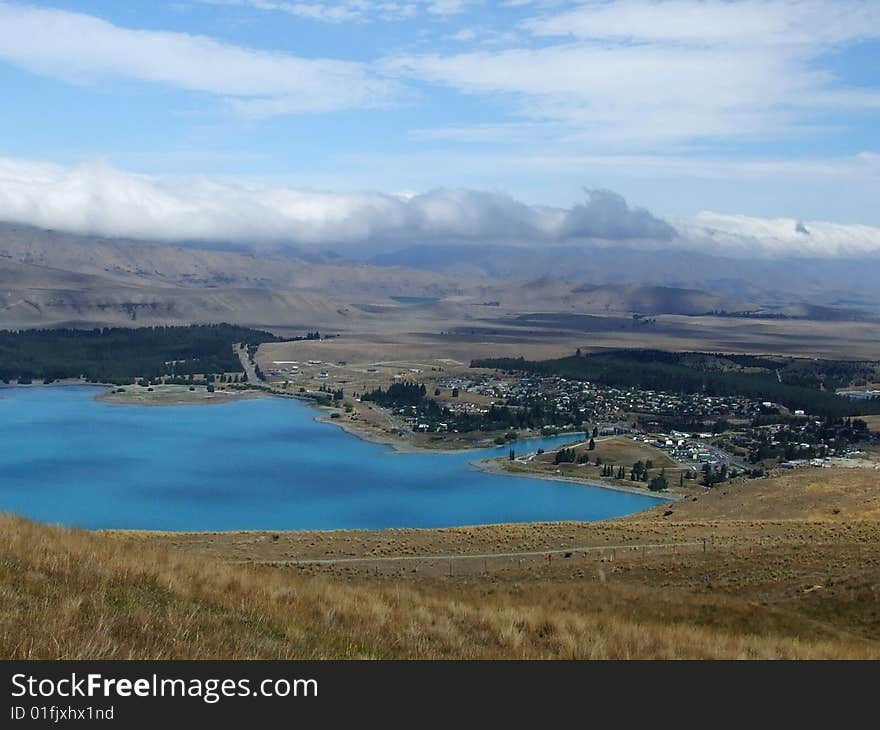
x=101, y=200
x=743, y=236
x=104, y=201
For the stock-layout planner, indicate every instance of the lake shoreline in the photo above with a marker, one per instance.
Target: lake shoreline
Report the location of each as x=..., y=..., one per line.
x=406, y=446
x=493, y=466
x=402, y=445
x=181, y=398
x=177, y=397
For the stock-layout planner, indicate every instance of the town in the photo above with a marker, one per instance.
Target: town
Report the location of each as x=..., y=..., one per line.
x=720, y=437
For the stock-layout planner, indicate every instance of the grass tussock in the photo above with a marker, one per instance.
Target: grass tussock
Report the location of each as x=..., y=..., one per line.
x=71, y=594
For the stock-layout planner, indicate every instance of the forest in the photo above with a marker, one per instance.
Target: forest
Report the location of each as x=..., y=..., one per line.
x=795, y=384
x=121, y=355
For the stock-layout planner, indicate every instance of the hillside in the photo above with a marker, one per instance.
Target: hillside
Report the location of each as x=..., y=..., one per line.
x=51, y=278
x=109, y=305
x=96, y=597
x=776, y=581
x=157, y=264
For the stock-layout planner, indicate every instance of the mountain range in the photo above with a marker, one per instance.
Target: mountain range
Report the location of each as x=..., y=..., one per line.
x=51, y=278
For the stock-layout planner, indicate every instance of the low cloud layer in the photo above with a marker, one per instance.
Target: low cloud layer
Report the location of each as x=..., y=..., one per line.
x=101, y=200
x=742, y=236
x=96, y=199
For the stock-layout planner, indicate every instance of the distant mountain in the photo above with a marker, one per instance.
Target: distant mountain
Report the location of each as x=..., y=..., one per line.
x=49, y=278
x=777, y=282
x=146, y=263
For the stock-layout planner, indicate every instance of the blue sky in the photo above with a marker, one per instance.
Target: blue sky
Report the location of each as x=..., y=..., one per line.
x=764, y=108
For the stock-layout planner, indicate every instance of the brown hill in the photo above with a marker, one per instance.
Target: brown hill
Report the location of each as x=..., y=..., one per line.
x=70, y=594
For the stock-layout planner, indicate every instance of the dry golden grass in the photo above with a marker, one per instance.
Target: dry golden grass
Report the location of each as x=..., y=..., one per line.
x=625, y=452
x=72, y=594
x=839, y=495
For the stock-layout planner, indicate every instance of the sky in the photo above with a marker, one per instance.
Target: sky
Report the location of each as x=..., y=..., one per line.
x=317, y=120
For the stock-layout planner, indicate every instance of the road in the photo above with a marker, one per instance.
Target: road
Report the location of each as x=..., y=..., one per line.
x=248, y=366
x=476, y=556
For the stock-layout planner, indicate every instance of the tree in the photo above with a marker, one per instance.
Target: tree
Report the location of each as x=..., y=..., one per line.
x=659, y=483
x=565, y=456
x=637, y=470
x=708, y=475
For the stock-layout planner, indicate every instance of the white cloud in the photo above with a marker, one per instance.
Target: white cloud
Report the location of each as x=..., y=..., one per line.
x=96, y=199
x=465, y=35
x=709, y=22
x=100, y=200
x=746, y=236
x=446, y=7
x=83, y=49
x=523, y=133
x=629, y=94
x=660, y=72
x=352, y=11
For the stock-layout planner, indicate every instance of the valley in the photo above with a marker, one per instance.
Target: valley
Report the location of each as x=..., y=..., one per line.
x=759, y=548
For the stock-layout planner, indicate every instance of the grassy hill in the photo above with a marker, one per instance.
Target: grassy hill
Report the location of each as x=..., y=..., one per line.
x=73, y=594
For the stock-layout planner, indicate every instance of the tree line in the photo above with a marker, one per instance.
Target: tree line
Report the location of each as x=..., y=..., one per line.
x=119, y=355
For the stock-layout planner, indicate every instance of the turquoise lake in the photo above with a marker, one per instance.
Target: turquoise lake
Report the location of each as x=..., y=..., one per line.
x=254, y=464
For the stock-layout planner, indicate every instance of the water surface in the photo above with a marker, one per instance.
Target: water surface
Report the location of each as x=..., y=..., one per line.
x=253, y=464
